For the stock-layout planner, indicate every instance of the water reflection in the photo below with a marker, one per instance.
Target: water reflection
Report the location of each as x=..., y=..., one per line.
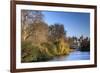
x=76, y=55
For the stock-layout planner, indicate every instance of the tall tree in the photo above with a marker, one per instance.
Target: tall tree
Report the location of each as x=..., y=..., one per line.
x=28, y=18
x=56, y=32
x=40, y=33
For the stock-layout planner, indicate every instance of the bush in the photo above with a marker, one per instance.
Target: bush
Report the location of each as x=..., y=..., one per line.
x=32, y=53
x=43, y=52
x=62, y=48
x=29, y=52
x=50, y=47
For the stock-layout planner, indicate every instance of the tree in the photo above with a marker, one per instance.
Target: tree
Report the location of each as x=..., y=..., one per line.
x=34, y=31
x=30, y=16
x=56, y=32
x=40, y=33
x=28, y=20
x=85, y=44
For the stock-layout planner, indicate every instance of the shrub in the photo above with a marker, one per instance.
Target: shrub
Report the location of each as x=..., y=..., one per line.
x=33, y=53
x=29, y=52
x=43, y=52
x=62, y=48
x=50, y=47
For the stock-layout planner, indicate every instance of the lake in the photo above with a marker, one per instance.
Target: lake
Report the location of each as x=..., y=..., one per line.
x=75, y=55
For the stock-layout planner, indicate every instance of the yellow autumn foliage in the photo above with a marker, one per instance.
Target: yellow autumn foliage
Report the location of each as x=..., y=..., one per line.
x=62, y=47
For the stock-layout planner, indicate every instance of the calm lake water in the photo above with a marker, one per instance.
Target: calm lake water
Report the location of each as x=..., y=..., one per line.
x=75, y=55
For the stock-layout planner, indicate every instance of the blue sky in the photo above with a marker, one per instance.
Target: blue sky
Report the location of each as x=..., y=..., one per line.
x=75, y=23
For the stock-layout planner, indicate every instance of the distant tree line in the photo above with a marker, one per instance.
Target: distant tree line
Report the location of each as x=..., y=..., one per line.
x=83, y=43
